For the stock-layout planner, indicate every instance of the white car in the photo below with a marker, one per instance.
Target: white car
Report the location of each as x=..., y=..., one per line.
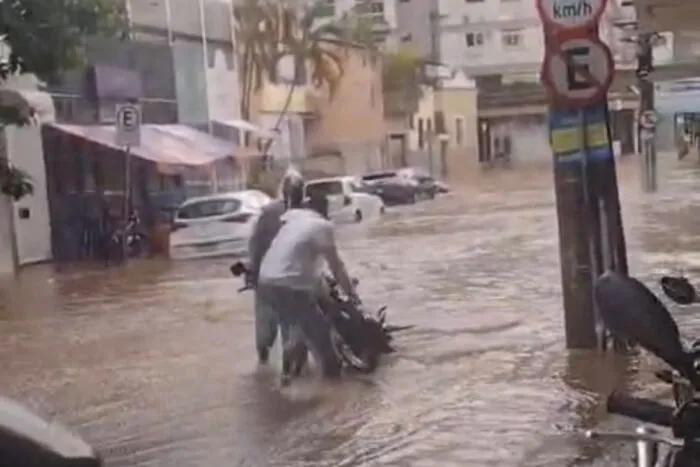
x=348, y=200
x=216, y=225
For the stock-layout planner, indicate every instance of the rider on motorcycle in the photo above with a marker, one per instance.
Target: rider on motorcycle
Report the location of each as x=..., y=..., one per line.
x=289, y=277
x=265, y=229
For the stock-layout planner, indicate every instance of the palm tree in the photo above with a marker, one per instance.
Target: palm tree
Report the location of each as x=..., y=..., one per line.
x=270, y=31
x=312, y=44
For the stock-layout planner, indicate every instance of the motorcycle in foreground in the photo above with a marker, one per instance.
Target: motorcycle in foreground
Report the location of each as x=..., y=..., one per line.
x=631, y=311
x=360, y=339
x=29, y=441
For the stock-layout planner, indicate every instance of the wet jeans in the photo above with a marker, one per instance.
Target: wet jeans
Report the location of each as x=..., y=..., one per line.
x=299, y=315
x=266, y=323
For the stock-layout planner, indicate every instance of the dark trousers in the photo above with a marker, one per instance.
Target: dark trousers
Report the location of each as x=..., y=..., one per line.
x=298, y=311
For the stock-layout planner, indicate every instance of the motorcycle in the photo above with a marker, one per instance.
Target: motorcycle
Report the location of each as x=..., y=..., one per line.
x=359, y=338
x=631, y=311
x=27, y=440
x=136, y=240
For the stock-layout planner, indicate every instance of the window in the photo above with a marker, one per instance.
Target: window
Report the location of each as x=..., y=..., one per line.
x=208, y=208
x=459, y=131
x=420, y=134
x=334, y=187
x=370, y=8
x=372, y=96
x=473, y=1
x=512, y=38
x=326, y=8
x=474, y=39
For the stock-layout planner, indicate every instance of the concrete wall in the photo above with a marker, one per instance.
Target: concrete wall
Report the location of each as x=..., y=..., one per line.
x=355, y=114
x=7, y=245
x=33, y=233
x=422, y=121
x=458, y=102
x=416, y=25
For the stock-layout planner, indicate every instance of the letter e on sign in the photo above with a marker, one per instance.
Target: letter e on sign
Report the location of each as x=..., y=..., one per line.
x=570, y=14
x=128, y=131
x=579, y=71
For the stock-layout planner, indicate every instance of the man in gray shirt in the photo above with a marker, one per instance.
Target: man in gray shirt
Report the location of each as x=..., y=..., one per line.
x=264, y=232
x=288, y=282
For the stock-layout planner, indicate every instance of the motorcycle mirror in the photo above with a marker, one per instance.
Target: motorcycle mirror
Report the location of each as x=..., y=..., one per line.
x=381, y=314
x=679, y=289
x=630, y=310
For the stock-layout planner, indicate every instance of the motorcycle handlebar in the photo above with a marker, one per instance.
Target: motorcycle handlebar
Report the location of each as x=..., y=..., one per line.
x=640, y=409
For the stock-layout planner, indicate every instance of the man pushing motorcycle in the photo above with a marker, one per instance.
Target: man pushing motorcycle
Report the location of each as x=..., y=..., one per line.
x=267, y=226
x=289, y=277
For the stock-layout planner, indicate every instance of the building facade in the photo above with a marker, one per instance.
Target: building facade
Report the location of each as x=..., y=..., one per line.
x=347, y=128
x=504, y=37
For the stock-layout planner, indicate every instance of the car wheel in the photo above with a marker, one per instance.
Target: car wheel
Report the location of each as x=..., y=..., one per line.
x=358, y=216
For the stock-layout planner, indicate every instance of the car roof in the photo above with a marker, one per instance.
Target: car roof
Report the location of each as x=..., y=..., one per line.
x=388, y=173
x=331, y=179
x=231, y=195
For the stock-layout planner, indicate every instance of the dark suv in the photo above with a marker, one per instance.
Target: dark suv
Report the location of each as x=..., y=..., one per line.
x=391, y=188
x=426, y=185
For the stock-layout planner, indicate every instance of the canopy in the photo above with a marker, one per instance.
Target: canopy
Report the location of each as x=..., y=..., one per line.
x=164, y=144
x=249, y=127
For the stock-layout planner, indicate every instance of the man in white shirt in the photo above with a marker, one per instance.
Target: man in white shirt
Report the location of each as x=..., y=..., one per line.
x=288, y=281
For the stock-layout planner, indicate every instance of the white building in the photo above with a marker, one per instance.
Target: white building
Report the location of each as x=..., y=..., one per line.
x=504, y=37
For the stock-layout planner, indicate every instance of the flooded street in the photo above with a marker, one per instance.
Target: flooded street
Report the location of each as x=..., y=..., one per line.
x=155, y=365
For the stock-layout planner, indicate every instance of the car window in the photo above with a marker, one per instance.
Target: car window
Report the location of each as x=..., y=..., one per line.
x=334, y=187
x=257, y=199
x=357, y=186
x=208, y=208
x=378, y=176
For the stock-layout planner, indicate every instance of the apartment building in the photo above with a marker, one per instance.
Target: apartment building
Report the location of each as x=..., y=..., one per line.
x=504, y=37
x=180, y=64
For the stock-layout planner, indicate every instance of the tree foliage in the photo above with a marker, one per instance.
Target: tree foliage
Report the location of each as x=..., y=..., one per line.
x=269, y=31
x=45, y=37
x=403, y=76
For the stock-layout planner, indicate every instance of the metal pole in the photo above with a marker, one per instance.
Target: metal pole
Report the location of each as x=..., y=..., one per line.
x=646, y=103
x=203, y=30
x=430, y=153
x=127, y=201
x=590, y=225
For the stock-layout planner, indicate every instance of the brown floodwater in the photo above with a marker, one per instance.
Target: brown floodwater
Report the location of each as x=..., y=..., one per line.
x=154, y=363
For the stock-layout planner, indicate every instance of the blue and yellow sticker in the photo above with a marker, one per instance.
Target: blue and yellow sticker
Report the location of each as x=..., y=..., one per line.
x=566, y=134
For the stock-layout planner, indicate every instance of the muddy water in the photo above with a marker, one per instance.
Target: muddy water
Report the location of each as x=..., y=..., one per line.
x=154, y=365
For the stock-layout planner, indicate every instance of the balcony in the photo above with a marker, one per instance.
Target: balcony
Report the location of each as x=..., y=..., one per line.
x=304, y=100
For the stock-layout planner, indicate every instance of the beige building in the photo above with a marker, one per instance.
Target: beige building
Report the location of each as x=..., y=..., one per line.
x=345, y=133
x=457, y=100
x=441, y=135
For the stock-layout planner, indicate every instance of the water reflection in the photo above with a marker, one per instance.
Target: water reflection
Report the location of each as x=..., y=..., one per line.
x=154, y=363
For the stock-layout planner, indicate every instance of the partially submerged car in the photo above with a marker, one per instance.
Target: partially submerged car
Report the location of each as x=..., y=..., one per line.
x=426, y=185
x=216, y=225
x=348, y=199
x=403, y=186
